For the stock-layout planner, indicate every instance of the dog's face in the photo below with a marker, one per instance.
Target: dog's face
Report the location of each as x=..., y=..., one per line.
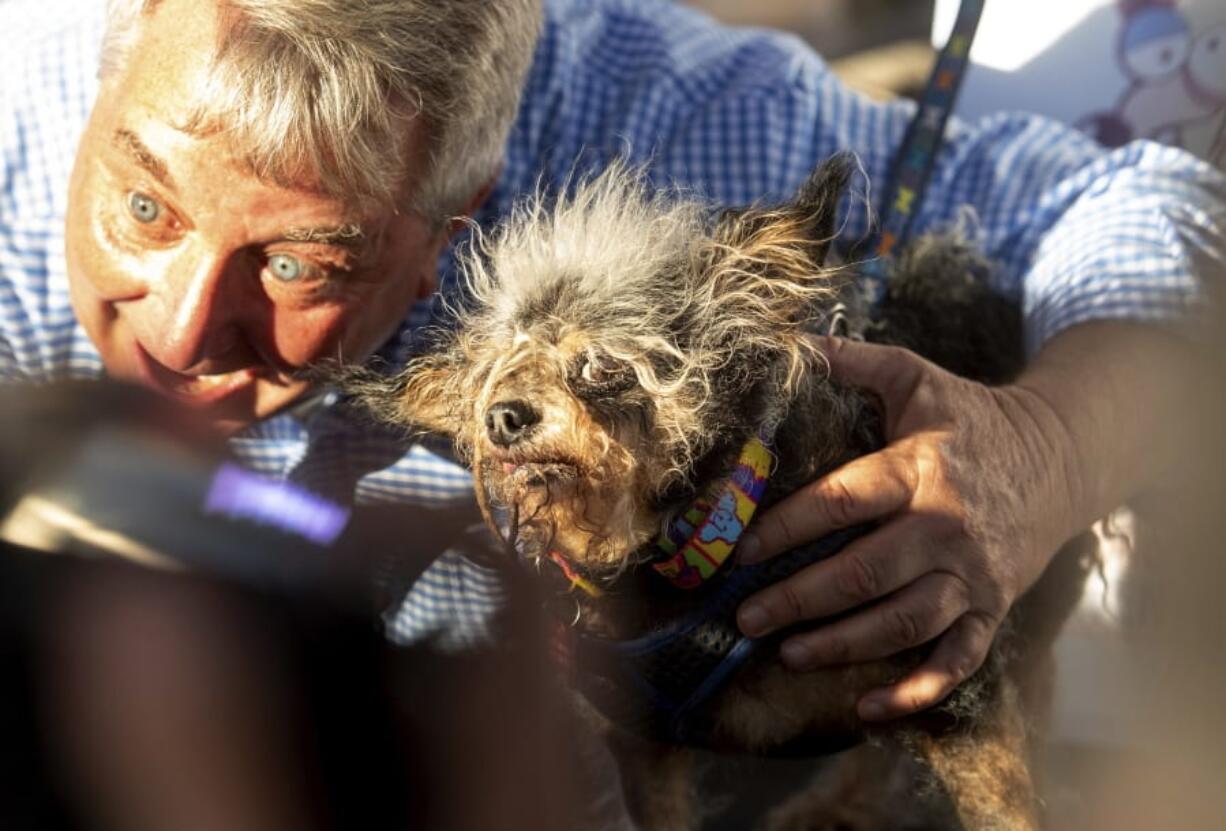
x=615, y=350
x=564, y=434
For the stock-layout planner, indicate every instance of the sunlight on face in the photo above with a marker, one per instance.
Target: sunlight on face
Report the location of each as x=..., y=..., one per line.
x=197, y=278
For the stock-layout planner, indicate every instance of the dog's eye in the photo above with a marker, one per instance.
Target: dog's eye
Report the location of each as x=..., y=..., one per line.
x=594, y=373
x=600, y=376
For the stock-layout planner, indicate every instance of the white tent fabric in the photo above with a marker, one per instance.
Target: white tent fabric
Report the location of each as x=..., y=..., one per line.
x=1118, y=69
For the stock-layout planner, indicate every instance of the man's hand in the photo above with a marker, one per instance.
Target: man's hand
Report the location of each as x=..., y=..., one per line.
x=975, y=491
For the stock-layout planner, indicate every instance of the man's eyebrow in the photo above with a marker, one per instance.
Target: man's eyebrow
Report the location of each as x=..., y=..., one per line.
x=128, y=141
x=350, y=236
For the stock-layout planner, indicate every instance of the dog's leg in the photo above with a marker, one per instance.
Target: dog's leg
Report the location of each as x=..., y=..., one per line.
x=870, y=787
x=984, y=769
x=656, y=779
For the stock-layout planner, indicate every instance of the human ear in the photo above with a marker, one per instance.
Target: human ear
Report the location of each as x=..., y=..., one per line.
x=458, y=222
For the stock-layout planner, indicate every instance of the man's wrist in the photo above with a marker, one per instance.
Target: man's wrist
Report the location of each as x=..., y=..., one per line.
x=1107, y=396
x=1060, y=483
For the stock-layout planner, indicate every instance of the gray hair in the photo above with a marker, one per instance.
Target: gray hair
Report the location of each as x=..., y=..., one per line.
x=330, y=86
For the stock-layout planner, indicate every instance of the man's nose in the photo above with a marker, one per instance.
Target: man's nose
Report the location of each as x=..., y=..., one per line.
x=199, y=311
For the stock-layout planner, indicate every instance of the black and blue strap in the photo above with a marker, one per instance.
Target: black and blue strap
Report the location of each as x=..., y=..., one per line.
x=917, y=155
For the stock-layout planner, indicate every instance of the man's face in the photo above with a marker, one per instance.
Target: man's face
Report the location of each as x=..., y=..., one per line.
x=196, y=278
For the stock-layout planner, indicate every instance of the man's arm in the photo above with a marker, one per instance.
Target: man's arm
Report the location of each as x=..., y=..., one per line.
x=1076, y=233
x=743, y=116
x=978, y=487
x=8, y=362
x=976, y=490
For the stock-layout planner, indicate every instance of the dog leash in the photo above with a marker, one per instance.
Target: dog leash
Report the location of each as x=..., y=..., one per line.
x=917, y=156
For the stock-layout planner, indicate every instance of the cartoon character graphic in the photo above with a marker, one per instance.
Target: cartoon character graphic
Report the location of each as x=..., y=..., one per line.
x=1177, y=78
x=723, y=524
x=697, y=544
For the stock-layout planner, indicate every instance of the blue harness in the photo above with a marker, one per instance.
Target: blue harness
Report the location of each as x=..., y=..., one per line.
x=656, y=685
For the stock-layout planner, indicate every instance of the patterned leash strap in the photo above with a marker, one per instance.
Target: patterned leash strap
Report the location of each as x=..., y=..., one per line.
x=917, y=155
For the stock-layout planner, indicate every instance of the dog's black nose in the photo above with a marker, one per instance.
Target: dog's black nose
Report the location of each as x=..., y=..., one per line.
x=507, y=421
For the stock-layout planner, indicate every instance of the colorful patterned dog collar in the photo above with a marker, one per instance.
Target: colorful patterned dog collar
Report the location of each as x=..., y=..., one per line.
x=700, y=540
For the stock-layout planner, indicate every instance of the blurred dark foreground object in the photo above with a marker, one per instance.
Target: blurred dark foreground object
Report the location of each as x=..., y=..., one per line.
x=234, y=676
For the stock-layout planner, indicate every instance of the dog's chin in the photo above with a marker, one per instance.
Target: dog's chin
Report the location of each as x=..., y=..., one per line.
x=531, y=485
x=561, y=507
x=533, y=489
x=532, y=477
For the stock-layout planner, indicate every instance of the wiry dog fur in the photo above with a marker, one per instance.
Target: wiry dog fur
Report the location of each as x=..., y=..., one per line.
x=615, y=349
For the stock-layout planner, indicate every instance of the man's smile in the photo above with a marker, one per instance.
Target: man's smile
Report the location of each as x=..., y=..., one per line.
x=197, y=390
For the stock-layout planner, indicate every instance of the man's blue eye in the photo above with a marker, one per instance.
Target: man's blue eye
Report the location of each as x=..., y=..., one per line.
x=143, y=208
x=284, y=267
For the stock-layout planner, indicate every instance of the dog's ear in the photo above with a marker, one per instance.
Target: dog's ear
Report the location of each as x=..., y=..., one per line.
x=804, y=227
x=422, y=397
x=429, y=398
x=818, y=198
x=767, y=266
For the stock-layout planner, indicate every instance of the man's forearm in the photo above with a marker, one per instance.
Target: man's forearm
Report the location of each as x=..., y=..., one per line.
x=1110, y=398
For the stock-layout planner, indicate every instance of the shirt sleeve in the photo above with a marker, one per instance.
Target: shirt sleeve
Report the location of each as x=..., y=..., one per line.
x=47, y=85
x=8, y=362
x=1078, y=233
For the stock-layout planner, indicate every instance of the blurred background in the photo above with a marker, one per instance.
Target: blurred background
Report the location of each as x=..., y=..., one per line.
x=1139, y=68
x=878, y=46
x=835, y=28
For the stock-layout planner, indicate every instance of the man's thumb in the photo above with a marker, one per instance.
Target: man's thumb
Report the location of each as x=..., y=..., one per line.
x=890, y=371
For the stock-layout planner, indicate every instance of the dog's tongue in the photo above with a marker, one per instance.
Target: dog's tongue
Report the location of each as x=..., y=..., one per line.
x=508, y=468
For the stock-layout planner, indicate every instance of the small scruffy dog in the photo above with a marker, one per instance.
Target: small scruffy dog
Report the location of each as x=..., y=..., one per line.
x=614, y=352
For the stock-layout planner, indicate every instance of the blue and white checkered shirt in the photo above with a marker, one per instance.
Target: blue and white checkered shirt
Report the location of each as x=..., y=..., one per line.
x=737, y=115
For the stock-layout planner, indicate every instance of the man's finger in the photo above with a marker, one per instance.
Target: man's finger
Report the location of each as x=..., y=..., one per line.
x=912, y=616
x=890, y=371
x=867, y=569
x=865, y=489
x=959, y=653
